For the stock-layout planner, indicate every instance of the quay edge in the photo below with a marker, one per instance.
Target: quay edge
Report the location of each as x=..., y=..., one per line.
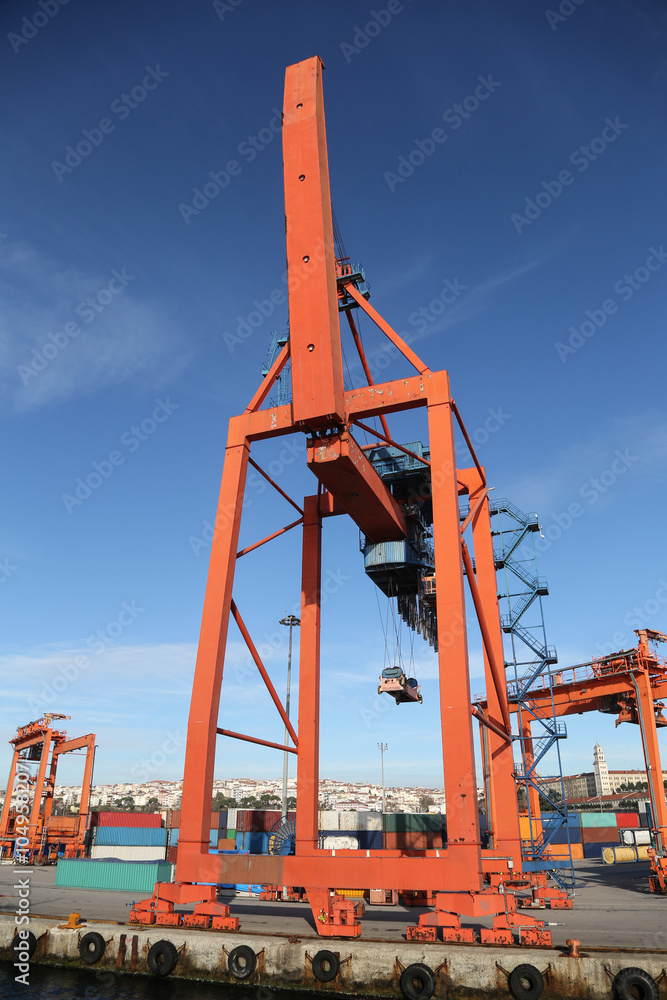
x=368, y=967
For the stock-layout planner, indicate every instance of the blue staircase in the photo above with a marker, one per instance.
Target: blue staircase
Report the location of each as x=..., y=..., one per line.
x=522, y=591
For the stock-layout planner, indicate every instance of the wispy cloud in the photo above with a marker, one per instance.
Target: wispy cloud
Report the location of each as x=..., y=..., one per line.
x=65, y=333
x=564, y=474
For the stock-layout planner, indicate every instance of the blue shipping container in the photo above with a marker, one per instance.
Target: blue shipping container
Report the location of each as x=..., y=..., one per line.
x=560, y=836
x=256, y=841
x=213, y=836
x=130, y=836
x=173, y=837
x=222, y=825
x=370, y=840
x=595, y=850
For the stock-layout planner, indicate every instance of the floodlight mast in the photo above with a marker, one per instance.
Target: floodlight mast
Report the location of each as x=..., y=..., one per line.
x=468, y=881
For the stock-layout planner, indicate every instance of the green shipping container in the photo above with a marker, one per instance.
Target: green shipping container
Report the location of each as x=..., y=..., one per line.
x=231, y=835
x=412, y=822
x=597, y=819
x=123, y=876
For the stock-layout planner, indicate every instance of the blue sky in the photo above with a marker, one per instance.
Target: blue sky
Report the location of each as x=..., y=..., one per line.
x=506, y=155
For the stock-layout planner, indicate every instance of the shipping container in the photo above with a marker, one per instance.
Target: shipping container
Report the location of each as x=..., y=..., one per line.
x=348, y=820
x=222, y=825
x=171, y=854
x=413, y=822
x=370, y=840
x=413, y=840
x=595, y=850
x=174, y=818
x=231, y=818
x=128, y=853
x=125, y=819
x=627, y=819
x=226, y=844
x=255, y=841
x=560, y=851
x=589, y=819
x=137, y=836
x=599, y=835
x=83, y=873
x=632, y=837
x=561, y=836
x=339, y=842
x=553, y=817
x=328, y=819
x=231, y=833
x=173, y=838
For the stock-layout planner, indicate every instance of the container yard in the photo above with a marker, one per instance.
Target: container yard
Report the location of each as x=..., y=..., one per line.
x=512, y=884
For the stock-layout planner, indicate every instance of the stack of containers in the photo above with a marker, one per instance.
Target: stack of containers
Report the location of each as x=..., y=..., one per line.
x=129, y=837
x=369, y=833
x=559, y=840
x=342, y=834
x=598, y=830
x=253, y=828
x=413, y=831
x=174, y=821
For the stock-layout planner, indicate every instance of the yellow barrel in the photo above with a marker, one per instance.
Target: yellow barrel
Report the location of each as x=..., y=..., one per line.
x=642, y=852
x=610, y=855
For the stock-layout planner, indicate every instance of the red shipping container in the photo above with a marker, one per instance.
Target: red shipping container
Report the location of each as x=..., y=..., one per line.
x=412, y=840
x=127, y=819
x=174, y=819
x=598, y=834
x=171, y=855
x=627, y=819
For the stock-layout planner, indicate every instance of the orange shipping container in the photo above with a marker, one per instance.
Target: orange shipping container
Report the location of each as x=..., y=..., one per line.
x=227, y=844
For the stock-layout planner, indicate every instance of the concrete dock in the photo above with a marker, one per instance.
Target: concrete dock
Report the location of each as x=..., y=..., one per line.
x=619, y=922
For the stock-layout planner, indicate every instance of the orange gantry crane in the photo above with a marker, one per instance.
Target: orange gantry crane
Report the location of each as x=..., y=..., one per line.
x=468, y=881
x=28, y=829
x=629, y=684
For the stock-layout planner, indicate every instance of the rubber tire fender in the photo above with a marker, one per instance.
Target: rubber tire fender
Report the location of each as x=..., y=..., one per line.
x=16, y=941
x=422, y=974
x=325, y=966
x=534, y=977
x=644, y=985
x=162, y=958
x=242, y=962
x=91, y=947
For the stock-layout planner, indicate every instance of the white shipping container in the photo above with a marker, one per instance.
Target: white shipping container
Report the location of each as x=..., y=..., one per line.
x=231, y=819
x=129, y=853
x=340, y=843
x=347, y=821
x=329, y=820
x=370, y=820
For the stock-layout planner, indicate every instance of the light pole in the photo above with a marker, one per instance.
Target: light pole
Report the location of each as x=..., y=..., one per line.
x=290, y=620
x=382, y=747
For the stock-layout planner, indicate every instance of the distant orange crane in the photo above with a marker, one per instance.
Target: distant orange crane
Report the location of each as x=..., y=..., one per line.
x=629, y=684
x=28, y=829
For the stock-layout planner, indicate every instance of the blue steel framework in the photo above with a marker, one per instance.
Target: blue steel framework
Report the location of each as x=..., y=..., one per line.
x=521, y=589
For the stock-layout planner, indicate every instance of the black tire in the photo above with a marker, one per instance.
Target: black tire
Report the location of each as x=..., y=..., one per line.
x=242, y=962
x=417, y=982
x=162, y=958
x=325, y=966
x=18, y=945
x=634, y=984
x=526, y=983
x=91, y=947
